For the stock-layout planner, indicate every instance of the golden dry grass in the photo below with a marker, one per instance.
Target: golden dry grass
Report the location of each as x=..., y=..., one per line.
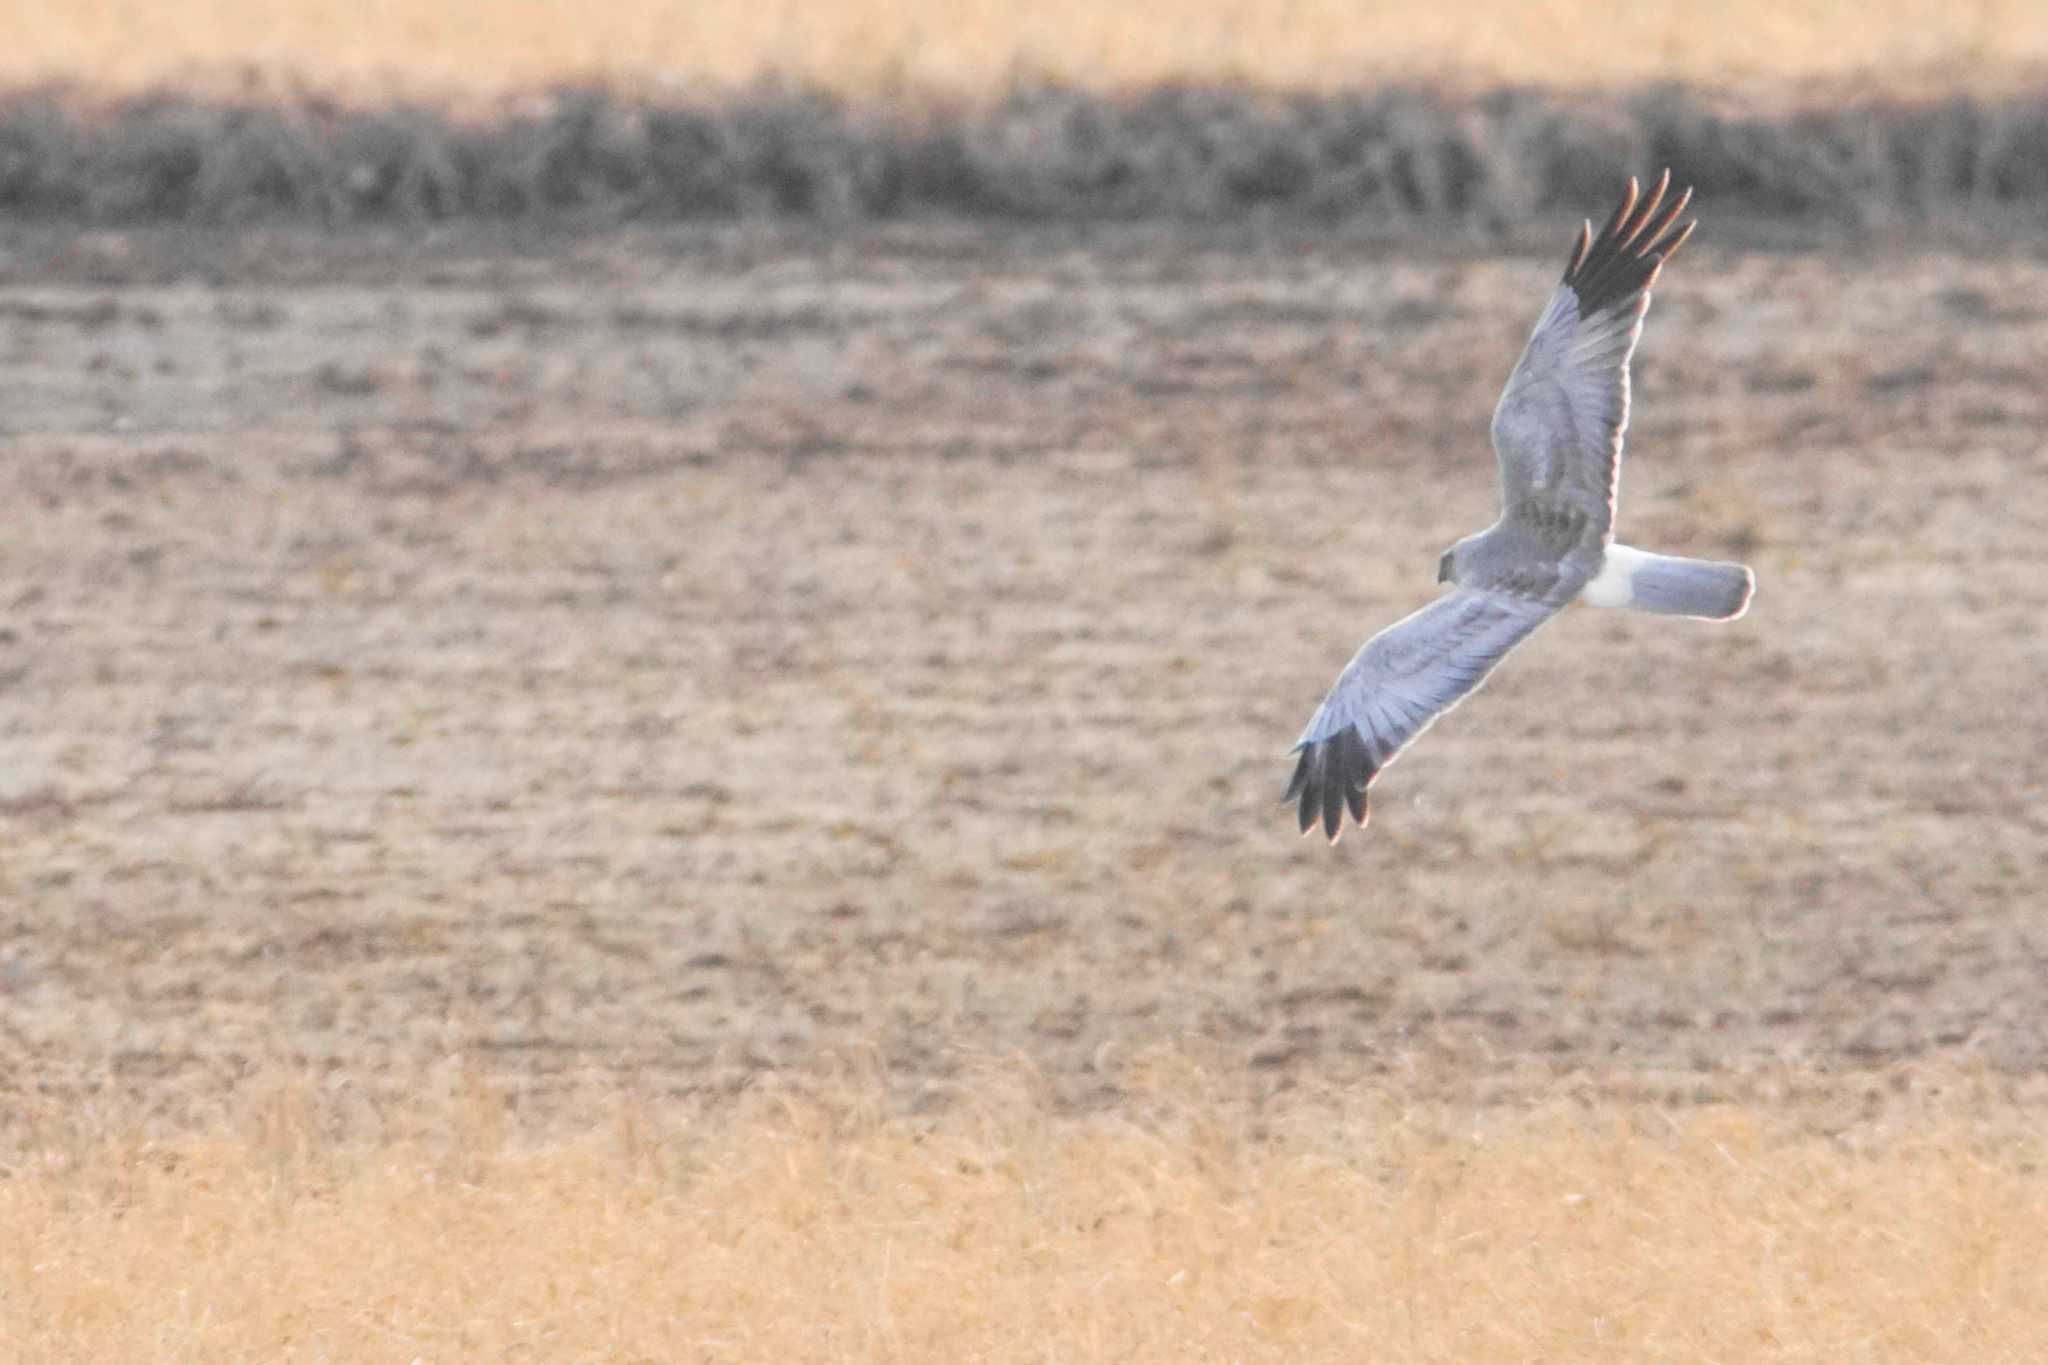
x=1352, y=1227
x=976, y=46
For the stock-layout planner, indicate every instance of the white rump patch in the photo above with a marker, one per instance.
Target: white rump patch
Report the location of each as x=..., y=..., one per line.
x=1611, y=586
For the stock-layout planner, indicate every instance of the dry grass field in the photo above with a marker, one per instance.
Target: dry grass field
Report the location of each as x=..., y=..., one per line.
x=1327, y=1229
x=556, y=700
x=978, y=47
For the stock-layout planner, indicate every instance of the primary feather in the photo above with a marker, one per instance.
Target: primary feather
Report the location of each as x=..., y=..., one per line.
x=1394, y=689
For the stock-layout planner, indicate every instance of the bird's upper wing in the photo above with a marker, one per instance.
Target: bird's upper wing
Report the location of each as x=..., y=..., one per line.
x=1558, y=427
x=1397, y=685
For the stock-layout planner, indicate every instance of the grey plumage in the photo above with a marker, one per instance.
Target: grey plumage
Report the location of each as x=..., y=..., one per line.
x=1670, y=586
x=1418, y=669
x=1557, y=432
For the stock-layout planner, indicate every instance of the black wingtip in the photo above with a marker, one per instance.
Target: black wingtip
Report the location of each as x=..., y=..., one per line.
x=1331, y=778
x=1609, y=270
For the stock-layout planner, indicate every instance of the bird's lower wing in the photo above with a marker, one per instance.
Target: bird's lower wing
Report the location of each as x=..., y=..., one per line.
x=1394, y=689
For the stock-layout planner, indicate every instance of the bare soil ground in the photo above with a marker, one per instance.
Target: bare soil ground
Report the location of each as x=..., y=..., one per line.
x=685, y=657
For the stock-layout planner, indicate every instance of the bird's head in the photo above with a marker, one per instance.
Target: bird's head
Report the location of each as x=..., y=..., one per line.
x=1451, y=568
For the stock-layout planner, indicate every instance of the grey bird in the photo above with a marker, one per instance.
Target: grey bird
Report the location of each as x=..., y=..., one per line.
x=1558, y=434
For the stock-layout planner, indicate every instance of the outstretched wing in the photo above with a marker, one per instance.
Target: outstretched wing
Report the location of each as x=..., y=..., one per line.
x=1397, y=685
x=1558, y=427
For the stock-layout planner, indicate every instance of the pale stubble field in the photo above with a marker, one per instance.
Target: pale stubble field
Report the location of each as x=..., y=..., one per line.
x=596, y=679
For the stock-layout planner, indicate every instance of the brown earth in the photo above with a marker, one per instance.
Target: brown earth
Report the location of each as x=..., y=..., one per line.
x=683, y=657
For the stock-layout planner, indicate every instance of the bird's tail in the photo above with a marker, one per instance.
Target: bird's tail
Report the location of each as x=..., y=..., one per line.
x=1671, y=586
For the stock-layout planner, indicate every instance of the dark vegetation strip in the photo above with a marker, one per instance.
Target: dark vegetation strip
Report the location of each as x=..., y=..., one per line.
x=1396, y=161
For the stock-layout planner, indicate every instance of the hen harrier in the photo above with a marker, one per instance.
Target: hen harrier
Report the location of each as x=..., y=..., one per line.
x=1558, y=433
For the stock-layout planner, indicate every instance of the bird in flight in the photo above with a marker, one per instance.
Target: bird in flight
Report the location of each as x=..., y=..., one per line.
x=1557, y=432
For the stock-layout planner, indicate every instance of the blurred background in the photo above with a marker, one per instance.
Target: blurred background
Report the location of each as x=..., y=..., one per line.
x=672, y=542
x=977, y=49
x=649, y=653
x=1378, y=118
